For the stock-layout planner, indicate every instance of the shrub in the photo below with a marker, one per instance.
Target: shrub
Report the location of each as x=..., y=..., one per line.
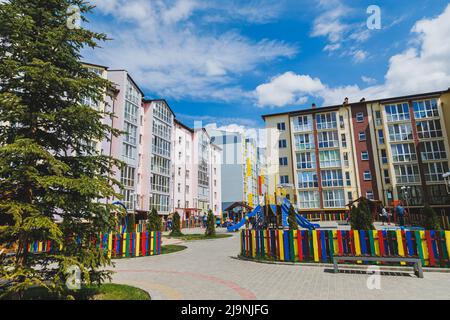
x=176, y=228
x=210, y=225
x=361, y=217
x=154, y=221
x=292, y=219
x=430, y=219
x=131, y=223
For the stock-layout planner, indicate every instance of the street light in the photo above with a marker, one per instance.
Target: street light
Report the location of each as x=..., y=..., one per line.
x=446, y=177
x=406, y=196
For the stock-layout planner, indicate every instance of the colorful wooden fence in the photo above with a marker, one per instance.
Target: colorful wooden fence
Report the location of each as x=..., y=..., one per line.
x=116, y=245
x=319, y=246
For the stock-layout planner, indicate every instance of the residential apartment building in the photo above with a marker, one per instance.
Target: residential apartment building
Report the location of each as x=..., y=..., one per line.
x=127, y=108
x=197, y=174
x=239, y=167
x=167, y=165
x=389, y=150
x=158, y=154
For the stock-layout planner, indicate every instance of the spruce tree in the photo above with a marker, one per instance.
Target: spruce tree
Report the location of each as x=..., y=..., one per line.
x=430, y=219
x=210, y=224
x=176, y=225
x=292, y=219
x=47, y=167
x=361, y=217
x=154, y=221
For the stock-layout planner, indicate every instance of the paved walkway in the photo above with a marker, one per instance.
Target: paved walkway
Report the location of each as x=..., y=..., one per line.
x=208, y=269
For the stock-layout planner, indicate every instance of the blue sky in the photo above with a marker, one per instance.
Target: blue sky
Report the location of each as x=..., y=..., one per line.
x=228, y=62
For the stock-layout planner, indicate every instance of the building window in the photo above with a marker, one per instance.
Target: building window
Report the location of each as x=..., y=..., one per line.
x=282, y=144
x=334, y=198
x=281, y=126
x=362, y=136
x=344, y=140
x=360, y=117
x=160, y=183
x=404, y=152
x=429, y=129
x=433, y=150
x=400, y=132
x=178, y=204
x=329, y=159
x=341, y=122
x=384, y=158
x=369, y=195
x=332, y=178
x=187, y=190
x=387, y=178
x=283, y=161
x=380, y=136
x=378, y=118
x=397, y=112
x=309, y=199
x=307, y=180
x=328, y=139
x=179, y=171
x=367, y=175
x=128, y=177
x=425, y=109
x=435, y=170
x=365, y=155
x=179, y=187
x=284, y=180
x=348, y=181
x=306, y=160
x=304, y=142
x=407, y=173
x=346, y=161
x=326, y=121
x=303, y=124
x=350, y=196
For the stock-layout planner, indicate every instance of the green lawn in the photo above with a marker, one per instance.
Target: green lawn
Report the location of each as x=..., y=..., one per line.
x=193, y=237
x=107, y=291
x=171, y=248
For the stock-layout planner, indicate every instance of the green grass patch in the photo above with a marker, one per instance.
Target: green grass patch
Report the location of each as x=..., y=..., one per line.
x=195, y=237
x=171, y=248
x=107, y=291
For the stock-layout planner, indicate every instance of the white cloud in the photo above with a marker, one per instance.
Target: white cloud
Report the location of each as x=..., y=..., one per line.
x=287, y=88
x=368, y=80
x=421, y=68
x=170, y=52
x=341, y=35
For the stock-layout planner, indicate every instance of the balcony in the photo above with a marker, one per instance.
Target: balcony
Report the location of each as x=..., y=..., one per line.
x=303, y=128
x=304, y=146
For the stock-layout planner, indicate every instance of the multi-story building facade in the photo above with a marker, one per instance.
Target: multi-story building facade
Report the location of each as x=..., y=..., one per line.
x=389, y=149
x=167, y=165
x=197, y=172
x=239, y=167
x=127, y=108
x=158, y=151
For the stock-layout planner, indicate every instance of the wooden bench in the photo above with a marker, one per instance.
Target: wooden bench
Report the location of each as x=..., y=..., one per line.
x=417, y=262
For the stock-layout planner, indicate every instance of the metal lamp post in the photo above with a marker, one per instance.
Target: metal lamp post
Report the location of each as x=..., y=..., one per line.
x=406, y=196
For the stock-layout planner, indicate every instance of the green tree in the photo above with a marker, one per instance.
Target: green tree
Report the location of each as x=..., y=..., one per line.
x=131, y=223
x=48, y=166
x=210, y=224
x=154, y=221
x=176, y=225
x=430, y=219
x=292, y=219
x=361, y=217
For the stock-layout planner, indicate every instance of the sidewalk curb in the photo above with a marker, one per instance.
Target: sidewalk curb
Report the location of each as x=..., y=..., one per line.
x=341, y=266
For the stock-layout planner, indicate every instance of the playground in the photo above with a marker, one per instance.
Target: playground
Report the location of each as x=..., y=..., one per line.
x=209, y=269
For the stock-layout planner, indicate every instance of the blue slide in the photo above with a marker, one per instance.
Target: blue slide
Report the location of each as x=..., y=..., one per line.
x=239, y=225
x=302, y=222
